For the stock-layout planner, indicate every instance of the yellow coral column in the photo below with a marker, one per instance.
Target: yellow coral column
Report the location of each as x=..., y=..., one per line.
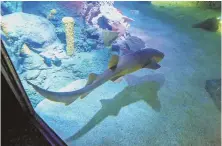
x=69, y=31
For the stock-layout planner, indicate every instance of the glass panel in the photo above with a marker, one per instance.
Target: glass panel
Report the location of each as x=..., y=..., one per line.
x=120, y=73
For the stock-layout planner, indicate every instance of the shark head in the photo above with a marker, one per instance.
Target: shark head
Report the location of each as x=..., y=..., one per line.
x=153, y=54
x=157, y=55
x=150, y=58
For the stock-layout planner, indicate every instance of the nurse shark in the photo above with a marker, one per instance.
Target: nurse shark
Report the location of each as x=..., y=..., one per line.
x=117, y=68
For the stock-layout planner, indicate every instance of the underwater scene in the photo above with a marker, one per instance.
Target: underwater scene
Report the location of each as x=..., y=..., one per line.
x=120, y=73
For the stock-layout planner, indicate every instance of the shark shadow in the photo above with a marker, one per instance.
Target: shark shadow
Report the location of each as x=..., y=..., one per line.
x=139, y=88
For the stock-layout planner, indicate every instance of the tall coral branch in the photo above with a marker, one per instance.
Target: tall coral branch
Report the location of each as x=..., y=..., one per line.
x=69, y=31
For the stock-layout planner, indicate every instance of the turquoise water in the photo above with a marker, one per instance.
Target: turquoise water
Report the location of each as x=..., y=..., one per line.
x=163, y=107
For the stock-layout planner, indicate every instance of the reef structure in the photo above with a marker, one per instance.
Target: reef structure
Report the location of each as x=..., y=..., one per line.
x=69, y=31
x=52, y=14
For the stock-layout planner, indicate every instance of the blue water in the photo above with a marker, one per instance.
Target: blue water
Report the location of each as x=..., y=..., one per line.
x=163, y=107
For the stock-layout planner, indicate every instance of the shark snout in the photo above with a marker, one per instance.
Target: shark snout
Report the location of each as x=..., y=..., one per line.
x=158, y=57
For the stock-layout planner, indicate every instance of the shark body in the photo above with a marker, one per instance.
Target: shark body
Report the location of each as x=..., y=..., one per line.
x=118, y=67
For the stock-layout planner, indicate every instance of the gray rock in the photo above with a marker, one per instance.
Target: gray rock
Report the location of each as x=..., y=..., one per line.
x=37, y=32
x=134, y=43
x=131, y=43
x=213, y=87
x=33, y=62
x=118, y=45
x=56, y=61
x=33, y=74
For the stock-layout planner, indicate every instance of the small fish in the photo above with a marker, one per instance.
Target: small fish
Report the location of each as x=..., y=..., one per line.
x=117, y=68
x=135, y=12
x=210, y=24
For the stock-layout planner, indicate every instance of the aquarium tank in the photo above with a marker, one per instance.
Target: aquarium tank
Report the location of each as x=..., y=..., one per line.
x=120, y=73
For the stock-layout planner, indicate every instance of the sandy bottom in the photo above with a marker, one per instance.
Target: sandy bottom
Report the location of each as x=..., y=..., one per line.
x=167, y=107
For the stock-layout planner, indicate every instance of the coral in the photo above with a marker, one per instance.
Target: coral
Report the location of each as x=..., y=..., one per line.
x=127, y=19
x=92, y=43
x=92, y=33
x=111, y=13
x=52, y=14
x=103, y=23
x=109, y=37
x=89, y=7
x=106, y=3
x=53, y=11
x=93, y=13
x=74, y=6
x=8, y=7
x=119, y=27
x=69, y=31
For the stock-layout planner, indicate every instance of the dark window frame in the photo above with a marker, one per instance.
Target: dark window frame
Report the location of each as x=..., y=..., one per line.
x=15, y=84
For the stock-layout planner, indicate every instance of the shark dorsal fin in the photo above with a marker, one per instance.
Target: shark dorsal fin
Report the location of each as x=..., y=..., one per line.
x=92, y=77
x=113, y=62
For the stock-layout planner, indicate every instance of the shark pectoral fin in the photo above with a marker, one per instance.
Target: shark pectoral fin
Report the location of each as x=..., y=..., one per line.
x=92, y=77
x=116, y=78
x=69, y=102
x=113, y=62
x=84, y=95
x=153, y=65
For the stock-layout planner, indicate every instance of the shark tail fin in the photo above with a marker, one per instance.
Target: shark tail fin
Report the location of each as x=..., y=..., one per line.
x=92, y=77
